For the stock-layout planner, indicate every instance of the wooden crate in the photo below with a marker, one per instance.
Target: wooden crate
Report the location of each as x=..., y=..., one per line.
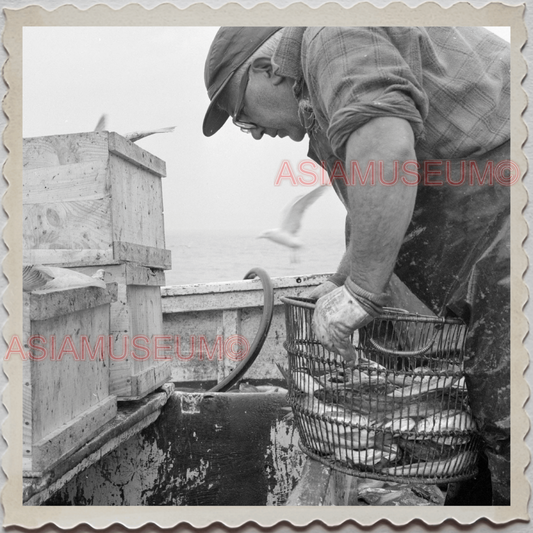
x=66, y=396
x=92, y=199
x=137, y=311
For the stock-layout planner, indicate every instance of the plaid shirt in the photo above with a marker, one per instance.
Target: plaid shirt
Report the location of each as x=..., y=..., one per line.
x=451, y=84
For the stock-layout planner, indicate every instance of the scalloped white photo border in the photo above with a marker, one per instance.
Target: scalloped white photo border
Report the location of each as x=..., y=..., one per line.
x=298, y=15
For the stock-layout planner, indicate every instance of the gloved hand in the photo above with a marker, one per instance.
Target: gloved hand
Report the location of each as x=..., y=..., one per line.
x=321, y=290
x=337, y=315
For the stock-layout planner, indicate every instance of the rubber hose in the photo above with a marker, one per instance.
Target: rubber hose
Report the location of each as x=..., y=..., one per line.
x=261, y=335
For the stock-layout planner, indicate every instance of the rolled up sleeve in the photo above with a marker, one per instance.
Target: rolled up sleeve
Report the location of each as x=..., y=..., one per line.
x=357, y=74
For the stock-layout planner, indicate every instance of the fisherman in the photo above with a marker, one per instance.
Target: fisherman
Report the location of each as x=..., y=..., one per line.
x=428, y=110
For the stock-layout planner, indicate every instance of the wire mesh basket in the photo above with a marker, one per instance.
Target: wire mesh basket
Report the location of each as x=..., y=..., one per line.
x=398, y=413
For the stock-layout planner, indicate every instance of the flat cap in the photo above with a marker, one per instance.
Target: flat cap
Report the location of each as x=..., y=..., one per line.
x=230, y=49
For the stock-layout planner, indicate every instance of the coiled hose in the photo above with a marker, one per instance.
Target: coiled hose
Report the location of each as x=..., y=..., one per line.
x=261, y=335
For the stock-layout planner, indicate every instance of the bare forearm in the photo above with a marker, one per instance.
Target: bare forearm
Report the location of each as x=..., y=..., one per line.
x=344, y=268
x=380, y=213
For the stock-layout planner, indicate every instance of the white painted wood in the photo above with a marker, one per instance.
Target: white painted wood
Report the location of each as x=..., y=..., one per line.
x=234, y=294
x=92, y=198
x=66, y=394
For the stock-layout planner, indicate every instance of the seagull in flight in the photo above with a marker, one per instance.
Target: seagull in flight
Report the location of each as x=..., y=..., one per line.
x=291, y=221
x=132, y=136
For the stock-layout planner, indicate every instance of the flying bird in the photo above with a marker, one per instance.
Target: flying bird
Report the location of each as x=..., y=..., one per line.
x=132, y=136
x=44, y=278
x=102, y=123
x=291, y=221
x=135, y=136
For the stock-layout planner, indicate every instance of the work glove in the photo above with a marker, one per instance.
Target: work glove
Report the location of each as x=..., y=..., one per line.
x=337, y=315
x=321, y=290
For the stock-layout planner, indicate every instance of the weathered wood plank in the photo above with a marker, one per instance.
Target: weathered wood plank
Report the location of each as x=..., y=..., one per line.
x=121, y=147
x=138, y=275
x=231, y=327
x=233, y=295
x=136, y=315
x=56, y=150
x=136, y=312
x=66, y=376
x=243, y=285
x=79, y=181
x=76, y=224
x=186, y=330
x=67, y=258
x=202, y=317
x=73, y=375
x=50, y=449
x=128, y=274
x=87, y=191
x=79, y=466
x=150, y=379
x=45, y=305
x=137, y=205
x=213, y=302
x=120, y=379
x=143, y=255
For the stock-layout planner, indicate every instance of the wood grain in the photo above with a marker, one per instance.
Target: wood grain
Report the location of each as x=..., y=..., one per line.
x=76, y=224
x=64, y=149
x=65, y=388
x=88, y=191
x=72, y=435
x=132, y=153
x=142, y=255
x=59, y=304
x=67, y=258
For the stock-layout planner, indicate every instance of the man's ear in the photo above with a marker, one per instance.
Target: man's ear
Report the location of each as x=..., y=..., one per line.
x=263, y=65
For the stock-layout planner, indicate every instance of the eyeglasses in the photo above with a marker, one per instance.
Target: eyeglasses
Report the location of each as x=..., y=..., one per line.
x=244, y=126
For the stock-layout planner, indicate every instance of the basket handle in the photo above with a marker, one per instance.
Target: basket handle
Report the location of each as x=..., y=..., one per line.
x=408, y=353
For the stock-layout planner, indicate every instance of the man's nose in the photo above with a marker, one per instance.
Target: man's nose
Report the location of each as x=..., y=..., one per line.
x=257, y=133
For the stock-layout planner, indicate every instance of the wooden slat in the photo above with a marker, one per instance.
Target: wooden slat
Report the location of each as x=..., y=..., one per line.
x=121, y=147
x=82, y=225
x=79, y=196
x=221, y=301
x=56, y=150
x=139, y=275
x=231, y=326
x=150, y=379
x=38, y=498
x=137, y=311
x=128, y=274
x=49, y=450
x=45, y=305
x=120, y=378
x=147, y=320
x=137, y=205
x=65, y=385
x=143, y=255
x=65, y=183
x=243, y=285
x=68, y=258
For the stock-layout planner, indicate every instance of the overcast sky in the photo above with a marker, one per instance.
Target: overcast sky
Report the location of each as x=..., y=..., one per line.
x=151, y=77
x=147, y=78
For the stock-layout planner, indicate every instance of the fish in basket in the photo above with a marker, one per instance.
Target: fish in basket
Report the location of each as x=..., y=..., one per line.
x=400, y=412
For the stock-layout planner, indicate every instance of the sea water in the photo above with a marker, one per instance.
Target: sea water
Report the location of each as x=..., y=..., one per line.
x=204, y=256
